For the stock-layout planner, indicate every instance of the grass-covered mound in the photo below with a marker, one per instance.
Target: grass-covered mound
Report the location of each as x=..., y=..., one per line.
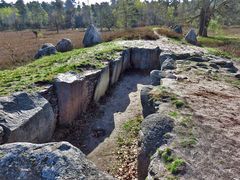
x=26, y=78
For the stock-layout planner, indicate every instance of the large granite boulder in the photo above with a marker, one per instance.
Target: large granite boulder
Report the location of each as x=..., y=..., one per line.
x=26, y=118
x=153, y=129
x=74, y=92
x=91, y=36
x=64, y=45
x=47, y=49
x=50, y=161
x=145, y=59
x=191, y=37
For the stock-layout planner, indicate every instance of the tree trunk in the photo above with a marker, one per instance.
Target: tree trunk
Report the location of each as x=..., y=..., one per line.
x=205, y=17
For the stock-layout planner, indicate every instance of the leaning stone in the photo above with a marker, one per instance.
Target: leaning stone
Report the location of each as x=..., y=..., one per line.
x=155, y=76
x=64, y=45
x=91, y=36
x=58, y=160
x=191, y=37
x=26, y=117
x=153, y=129
x=46, y=50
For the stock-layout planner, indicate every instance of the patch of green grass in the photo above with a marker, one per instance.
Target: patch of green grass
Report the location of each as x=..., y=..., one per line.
x=179, y=103
x=130, y=130
x=133, y=126
x=224, y=46
x=173, y=163
x=175, y=166
x=46, y=69
x=186, y=122
x=173, y=114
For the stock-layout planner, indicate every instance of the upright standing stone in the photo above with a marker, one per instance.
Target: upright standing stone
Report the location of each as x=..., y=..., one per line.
x=191, y=37
x=91, y=36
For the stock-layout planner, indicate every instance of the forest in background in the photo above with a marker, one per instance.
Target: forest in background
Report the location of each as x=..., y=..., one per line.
x=119, y=14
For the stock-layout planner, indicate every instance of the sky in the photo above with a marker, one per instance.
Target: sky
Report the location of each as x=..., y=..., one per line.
x=85, y=1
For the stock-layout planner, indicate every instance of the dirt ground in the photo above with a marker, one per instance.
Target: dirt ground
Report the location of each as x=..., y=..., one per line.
x=216, y=115
x=97, y=138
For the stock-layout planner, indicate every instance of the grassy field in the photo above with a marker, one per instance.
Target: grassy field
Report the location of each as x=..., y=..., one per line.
x=44, y=70
x=18, y=48
x=19, y=71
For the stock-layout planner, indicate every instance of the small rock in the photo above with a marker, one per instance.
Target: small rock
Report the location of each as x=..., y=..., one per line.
x=1, y=134
x=213, y=65
x=64, y=45
x=91, y=36
x=155, y=76
x=168, y=64
x=191, y=37
x=46, y=50
x=237, y=76
x=198, y=59
x=166, y=56
x=202, y=65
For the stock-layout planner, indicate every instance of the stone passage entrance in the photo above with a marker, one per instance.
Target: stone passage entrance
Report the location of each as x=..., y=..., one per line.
x=98, y=135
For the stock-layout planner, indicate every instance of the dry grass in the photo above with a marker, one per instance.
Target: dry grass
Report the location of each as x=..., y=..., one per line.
x=18, y=48
x=169, y=33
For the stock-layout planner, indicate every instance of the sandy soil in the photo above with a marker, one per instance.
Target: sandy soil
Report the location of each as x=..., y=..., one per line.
x=216, y=115
x=122, y=105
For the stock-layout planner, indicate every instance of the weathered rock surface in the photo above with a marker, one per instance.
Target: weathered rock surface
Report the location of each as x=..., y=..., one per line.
x=146, y=101
x=225, y=63
x=46, y=161
x=64, y=45
x=168, y=64
x=155, y=76
x=91, y=36
x=178, y=29
x=126, y=60
x=102, y=84
x=153, y=129
x=115, y=70
x=191, y=37
x=157, y=168
x=74, y=94
x=166, y=56
x=47, y=49
x=25, y=117
x=145, y=59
